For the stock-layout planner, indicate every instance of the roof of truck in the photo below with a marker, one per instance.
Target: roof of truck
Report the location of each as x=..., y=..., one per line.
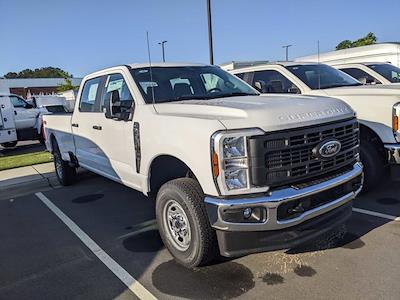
x=165, y=64
x=251, y=64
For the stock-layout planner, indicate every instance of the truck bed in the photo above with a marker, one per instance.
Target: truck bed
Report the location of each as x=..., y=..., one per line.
x=59, y=126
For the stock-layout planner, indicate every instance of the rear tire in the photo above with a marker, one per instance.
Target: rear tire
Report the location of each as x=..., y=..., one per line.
x=373, y=165
x=66, y=174
x=183, y=223
x=10, y=144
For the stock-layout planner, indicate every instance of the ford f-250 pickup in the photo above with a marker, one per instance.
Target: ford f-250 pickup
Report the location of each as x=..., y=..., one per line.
x=377, y=106
x=232, y=171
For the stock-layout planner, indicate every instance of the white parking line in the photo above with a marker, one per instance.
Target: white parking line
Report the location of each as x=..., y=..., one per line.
x=134, y=285
x=376, y=214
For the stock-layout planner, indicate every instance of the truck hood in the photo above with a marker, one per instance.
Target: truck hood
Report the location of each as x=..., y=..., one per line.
x=268, y=112
x=381, y=90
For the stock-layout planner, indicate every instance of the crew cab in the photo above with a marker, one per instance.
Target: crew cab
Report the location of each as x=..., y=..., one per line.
x=372, y=73
x=25, y=119
x=377, y=106
x=231, y=171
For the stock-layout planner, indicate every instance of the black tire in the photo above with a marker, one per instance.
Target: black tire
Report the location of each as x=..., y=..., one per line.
x=10, y=144
x=66, y=174
x=373, y=165
x=203, y=246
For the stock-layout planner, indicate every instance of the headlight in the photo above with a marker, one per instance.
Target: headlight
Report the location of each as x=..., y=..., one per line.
x=230, y=165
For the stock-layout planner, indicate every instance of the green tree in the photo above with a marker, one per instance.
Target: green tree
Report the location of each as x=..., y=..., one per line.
x=369, y=39
x=46, y=72
x=66, y=86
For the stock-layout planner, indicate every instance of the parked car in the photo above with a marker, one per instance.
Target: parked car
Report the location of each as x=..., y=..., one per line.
x=372, y=73
x=49, y=103
x=377, y=106
x=232, y=171
x=26, y=119
x=8, y=133
x=380, y=52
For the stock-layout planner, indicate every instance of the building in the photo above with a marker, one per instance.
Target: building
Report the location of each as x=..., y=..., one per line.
x=34, y=86
x=382, y=52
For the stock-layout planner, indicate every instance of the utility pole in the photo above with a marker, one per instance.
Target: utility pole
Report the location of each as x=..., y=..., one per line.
x=210, y=39
x=287, y=51
x=163, y=50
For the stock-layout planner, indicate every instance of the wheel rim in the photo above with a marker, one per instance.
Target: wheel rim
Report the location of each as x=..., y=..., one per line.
x=58, y=164
x=177, y=225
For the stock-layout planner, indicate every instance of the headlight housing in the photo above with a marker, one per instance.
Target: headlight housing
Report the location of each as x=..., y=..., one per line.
x=230, y=163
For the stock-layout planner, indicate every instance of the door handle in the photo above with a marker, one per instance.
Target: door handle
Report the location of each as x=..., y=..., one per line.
x=97, y=127
x=15, y=112
x=75, y=125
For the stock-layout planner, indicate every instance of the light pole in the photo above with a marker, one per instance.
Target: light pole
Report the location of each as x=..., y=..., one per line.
x=287, y=51
x=163, y=49
x=210, y=39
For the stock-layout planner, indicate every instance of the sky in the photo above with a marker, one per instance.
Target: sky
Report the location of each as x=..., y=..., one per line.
x=84, y=36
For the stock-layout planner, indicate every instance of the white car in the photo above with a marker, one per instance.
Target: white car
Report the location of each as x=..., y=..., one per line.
x=232, y=171
x=377, y=106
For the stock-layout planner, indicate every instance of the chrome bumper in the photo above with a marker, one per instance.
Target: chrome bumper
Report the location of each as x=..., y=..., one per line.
x=393, y=153
x=272, y=200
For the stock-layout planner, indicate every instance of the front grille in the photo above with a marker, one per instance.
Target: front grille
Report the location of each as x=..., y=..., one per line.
x=287, y=157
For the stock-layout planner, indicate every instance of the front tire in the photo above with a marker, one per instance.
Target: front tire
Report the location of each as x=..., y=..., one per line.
x=373, y=165
x=66, y=174
x=183, y=223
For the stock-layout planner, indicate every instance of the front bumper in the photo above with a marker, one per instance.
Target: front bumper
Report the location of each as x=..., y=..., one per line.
x=272, y=203
x=393, y=151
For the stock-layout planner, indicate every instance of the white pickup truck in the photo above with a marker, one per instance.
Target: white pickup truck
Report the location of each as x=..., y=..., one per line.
x=26, y=119
x=377, y=106
x=229, y=168
x=372, y=73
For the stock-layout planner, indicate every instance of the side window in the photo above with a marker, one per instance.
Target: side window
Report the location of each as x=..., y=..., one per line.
x=17, y=102
x=89, y=95
x=116, y=82
x=271, y=81
x=360, y=75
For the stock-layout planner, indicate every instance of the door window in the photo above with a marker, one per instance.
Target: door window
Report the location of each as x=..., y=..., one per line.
x=360, y=75
x=270, y=81
x=17, y=102
x=116, y=82
x=89, y=95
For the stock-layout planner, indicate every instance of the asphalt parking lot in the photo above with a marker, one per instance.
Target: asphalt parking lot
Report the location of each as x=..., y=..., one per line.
x=78, y=242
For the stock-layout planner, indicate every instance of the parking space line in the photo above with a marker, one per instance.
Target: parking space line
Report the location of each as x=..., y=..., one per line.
x=132, y=284
x=376, y=214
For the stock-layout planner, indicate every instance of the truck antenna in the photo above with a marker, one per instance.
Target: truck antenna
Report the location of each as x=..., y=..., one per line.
x=151, y=71
x=319, y=73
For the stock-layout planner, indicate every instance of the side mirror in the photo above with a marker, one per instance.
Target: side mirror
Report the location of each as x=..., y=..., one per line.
x=294, y=90
x=259, y=85
x=28, y=106
x=117, y=109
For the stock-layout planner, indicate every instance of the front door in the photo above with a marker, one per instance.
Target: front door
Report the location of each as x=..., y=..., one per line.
x=24, y=115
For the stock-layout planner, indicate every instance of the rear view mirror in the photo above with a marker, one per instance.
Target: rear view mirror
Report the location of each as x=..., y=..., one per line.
x=294, y=90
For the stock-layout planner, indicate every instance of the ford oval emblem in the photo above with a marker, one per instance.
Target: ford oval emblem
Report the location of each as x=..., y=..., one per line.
x=327, y=148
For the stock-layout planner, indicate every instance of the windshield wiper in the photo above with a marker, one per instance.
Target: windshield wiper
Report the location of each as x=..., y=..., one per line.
x=340, y=85
x=235, y=94
x=192, y=97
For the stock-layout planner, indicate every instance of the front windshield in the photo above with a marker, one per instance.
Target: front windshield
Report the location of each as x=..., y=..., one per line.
x=169, y=84
x=320, y=76
x=388, y=71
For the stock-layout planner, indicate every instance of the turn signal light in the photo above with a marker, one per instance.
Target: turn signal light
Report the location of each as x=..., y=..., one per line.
x=395, y=123
x=215, y=166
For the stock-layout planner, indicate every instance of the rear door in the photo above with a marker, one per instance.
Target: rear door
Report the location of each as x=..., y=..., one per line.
x=83, y=119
